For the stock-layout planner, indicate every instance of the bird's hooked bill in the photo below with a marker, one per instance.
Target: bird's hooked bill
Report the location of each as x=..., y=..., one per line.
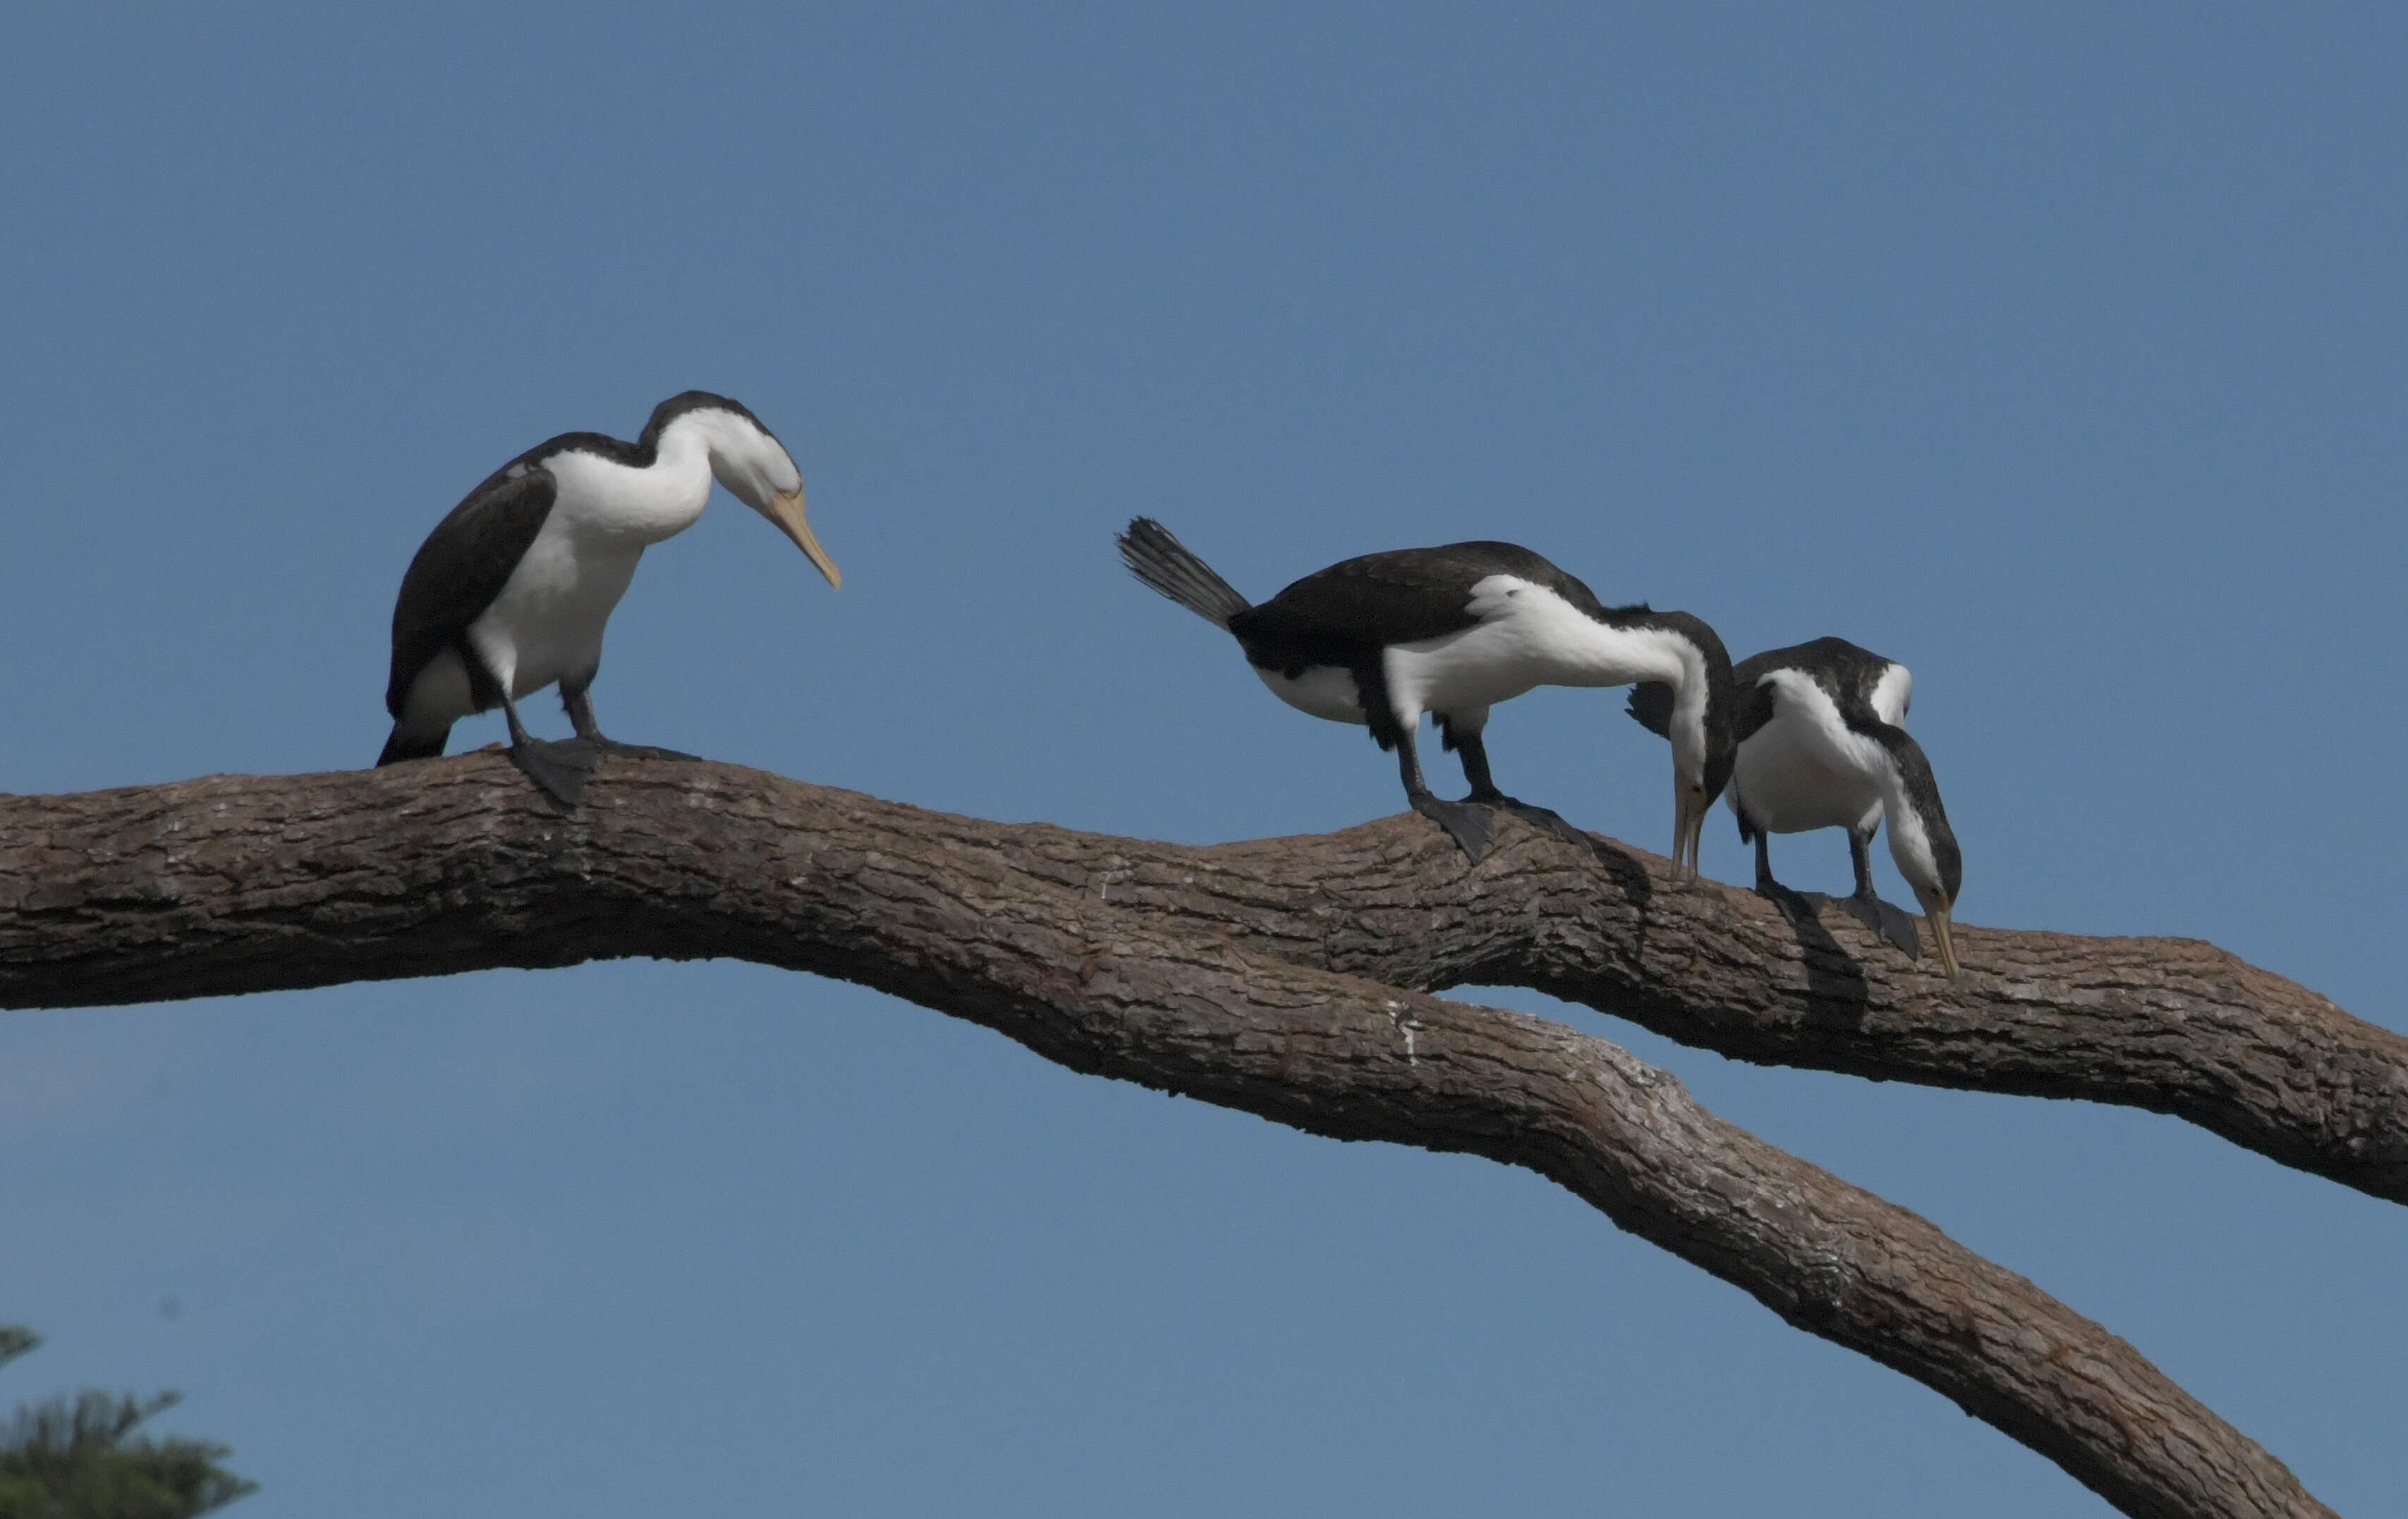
x=1690, y=805
x=1938, y=916
x=786, y=510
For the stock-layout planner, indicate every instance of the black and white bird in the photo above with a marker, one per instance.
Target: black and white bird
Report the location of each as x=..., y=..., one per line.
x=1449, y=632
x=511, y=591
x=1820, y=746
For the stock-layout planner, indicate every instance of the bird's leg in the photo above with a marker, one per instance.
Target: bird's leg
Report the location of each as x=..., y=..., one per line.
x=1473, y=750
x=579, y=709
x=559, y=768
x=1867, y=908
x=1468, y=823
x=1796, y=906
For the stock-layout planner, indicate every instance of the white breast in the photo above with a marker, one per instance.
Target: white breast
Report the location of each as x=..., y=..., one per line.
x=547, y=620
x=1804, y=769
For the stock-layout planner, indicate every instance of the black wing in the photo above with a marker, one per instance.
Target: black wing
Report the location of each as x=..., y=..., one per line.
x=461, y=568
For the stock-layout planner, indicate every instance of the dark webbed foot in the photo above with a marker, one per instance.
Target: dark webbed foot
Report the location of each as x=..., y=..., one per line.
x=1468, y=823
x=612, y=746
x=560, y=768
x=1886, y=921
x=580, y=708
x=1542, y=818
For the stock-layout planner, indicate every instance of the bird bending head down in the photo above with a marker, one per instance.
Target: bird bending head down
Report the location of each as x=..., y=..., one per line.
x=1820, y=744
x=511, y=591
x=756, y=469
x=1388, y=640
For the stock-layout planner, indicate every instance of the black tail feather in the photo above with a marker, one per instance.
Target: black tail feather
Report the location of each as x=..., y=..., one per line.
x=1163, y=563
x=401, y=745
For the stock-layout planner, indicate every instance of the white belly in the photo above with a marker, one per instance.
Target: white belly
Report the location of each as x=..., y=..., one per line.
x=1323, y=690
x=1466, y=671
x=1792, y=777
x=547, y=620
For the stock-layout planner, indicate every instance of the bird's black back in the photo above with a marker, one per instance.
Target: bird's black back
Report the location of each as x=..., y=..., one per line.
x=1849, y=674
x=1346, y=613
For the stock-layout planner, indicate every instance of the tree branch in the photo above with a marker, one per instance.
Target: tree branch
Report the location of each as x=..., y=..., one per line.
x=239, y=883
x=1235, y=974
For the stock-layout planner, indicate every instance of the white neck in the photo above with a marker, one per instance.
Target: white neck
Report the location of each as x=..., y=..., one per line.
x=704, y=440
x=1595, y=653
x=1598, y=654
x=1909, y=842
x=610, y=501
x=1688, y=709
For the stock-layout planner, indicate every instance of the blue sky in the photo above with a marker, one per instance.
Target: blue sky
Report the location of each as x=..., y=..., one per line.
x=2055, y=351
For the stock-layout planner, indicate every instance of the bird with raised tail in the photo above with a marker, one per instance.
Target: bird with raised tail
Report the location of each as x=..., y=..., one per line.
x=511, y=591
x=1389, y=638
x=1820, y=746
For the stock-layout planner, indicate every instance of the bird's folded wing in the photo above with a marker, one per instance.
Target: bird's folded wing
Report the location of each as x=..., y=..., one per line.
x=1379, y=598
x=461, y=568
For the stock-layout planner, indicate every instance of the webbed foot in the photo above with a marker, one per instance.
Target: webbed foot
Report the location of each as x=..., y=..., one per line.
x=560, y=768
x=612, y=746
x=1468, y=823
x=1544, y=818
x=1886, y=921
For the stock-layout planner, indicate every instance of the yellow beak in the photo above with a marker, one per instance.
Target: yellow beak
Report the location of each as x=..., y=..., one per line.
x=786, y=510
x=1689, y=809
x=1938, y=918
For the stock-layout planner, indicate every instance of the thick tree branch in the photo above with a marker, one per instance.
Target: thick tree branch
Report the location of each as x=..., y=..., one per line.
x=2174, y=1026
x=1225, y=973
x=243, y=883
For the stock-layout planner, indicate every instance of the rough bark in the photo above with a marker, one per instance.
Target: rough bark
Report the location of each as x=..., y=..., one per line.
x=1288, y=978
x=2174, y=1026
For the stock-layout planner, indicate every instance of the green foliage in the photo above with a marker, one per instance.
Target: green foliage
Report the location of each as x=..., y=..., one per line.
x=78, y=1459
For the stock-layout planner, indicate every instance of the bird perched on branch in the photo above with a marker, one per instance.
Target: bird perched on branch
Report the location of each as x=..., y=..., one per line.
x=1449, y=632
x=511, y=591
x=1820, y=746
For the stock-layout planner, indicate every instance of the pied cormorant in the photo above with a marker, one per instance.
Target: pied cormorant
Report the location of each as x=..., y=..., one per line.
x=512, y=590
x=1820, y=746
x=1449, y=632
